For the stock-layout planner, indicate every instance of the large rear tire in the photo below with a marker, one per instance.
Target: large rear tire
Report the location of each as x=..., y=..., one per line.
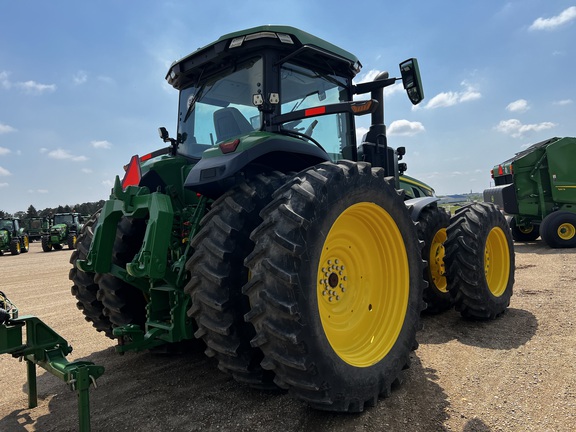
x=218, y=274
x=15, y=247
x=46, y=245
x=336, y=287
x=480, y=261
x=84, y=288
x=123, y=303
x=433, y=222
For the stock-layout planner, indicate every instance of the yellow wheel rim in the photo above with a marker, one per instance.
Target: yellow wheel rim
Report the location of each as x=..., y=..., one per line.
x=26, y=243
x=526, y=230
x=363, y=284
x=497, y=261
x=436, y=261
x=566, y=231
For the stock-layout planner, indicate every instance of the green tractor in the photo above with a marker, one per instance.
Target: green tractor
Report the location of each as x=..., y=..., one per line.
x=63, y=230
x=37, y=227
x=13, y=237
x=267, y=231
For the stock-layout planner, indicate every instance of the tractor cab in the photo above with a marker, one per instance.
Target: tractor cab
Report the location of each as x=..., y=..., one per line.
x=281, y=87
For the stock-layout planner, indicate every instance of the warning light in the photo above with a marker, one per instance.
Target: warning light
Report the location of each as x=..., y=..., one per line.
x=133, y=173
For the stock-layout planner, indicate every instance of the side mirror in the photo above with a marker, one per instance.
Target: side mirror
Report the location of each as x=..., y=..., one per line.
x=411, y=80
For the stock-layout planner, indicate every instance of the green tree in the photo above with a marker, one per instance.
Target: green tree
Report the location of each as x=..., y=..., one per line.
x=31, y=212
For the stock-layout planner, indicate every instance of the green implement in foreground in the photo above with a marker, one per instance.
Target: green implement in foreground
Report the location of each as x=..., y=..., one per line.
x=537, y=189
x=45, y=348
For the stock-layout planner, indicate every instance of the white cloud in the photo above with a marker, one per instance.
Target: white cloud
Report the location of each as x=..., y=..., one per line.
x=553, y=23
x=4, y=172
x=32, y=87
x=360, y=132
x=86, y=170
x=64, y=155
x=3, y=185
x=101, y=144
x=447, y=99
x=405, y=127
x=80, y=77
x=564, y=102
x=108, y=183
x=520, y=105
x=6, y=129
x=516, y=129
x=4, y=150
x=4, y=82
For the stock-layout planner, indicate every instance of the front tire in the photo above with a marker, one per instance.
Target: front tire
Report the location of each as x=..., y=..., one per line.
x=433, y=222
x=480, y=261
x=46, y=245
x=15, y=247
x=336, y=287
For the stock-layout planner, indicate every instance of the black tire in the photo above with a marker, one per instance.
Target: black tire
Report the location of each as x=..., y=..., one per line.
x=558, y=229
x=123, y=303
x=433, y=222
x=46, y=245
x=71, y=241
x=15, y=247
x=524, y=234
x=336, y=226
x=84, y=288
x=480, y=261
x=218, y=274
x=24, y=244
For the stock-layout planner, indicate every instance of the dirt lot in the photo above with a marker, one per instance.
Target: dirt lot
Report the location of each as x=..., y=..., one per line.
x=517, y=373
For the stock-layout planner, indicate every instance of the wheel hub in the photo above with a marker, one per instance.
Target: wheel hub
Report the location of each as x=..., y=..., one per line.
x=333, y=286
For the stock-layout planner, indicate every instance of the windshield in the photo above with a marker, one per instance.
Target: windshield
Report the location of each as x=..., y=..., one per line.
x=63, y=219
x=303, y=88
x=6, y=224
x=220, y=108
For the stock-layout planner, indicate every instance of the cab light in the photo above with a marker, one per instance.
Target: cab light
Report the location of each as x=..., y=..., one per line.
x=361, y=107
x=500, y=170
x=511, y=169
x=229, y=146
x=310, y=112
x=133, y=173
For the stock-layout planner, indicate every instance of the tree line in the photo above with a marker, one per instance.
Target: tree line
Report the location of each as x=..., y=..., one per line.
x=84, y=209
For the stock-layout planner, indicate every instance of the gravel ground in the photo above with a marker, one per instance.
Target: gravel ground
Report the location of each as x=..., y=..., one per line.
x=517, y=373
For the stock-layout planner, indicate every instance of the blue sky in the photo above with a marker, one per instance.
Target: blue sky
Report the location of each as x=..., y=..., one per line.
x=82, y=83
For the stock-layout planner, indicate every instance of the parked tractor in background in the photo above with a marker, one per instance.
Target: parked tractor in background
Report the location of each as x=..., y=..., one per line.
x=13, y=237
x=537, y=190
x=37, y=227
x=63, y=230
x=267, y=231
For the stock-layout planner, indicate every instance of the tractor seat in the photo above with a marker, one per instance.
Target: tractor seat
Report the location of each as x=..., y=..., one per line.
x=229, y=122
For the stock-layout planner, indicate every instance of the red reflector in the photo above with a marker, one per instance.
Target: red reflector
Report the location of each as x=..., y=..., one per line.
x=511, y=169
x=133, y=173
x=315, y=111
x=500, y=170
x=230, y=146
x=146, y=157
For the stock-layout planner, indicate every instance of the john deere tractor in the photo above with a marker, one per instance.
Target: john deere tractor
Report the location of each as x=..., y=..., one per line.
x=267, y=231
x=63, y=230
x=13, y=237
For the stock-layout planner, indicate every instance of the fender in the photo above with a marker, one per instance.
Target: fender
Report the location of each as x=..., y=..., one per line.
x=416, y=205
x=212, y=176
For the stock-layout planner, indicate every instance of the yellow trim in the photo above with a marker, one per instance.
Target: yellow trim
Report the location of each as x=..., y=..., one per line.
x=436, y=261
x=496, y=261
x=363, y=284
x=566, y=231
